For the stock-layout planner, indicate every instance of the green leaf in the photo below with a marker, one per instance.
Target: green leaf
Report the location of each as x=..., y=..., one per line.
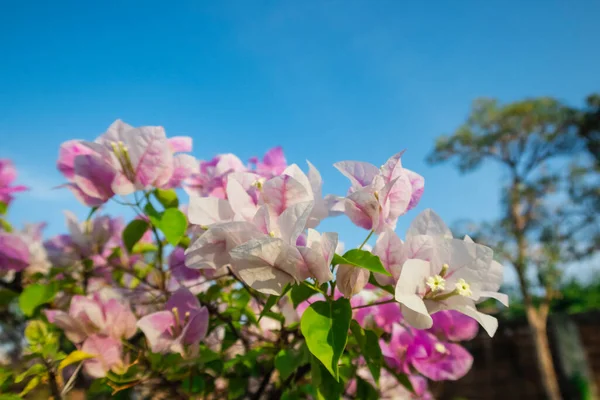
x=173, y=223
x=9, y=397
x=288, y=361
x=194, y=384
x=34, y=370
x=133, y=232
x=401, y=378
x=168, y=198
x=153, y=215
x=271, y=301
x=325, y=386
x=325, y=328
x=5, y=225
x=34, y=296
x=36, y=331
x=3, y=208
x=388, y=288
x=143, y=247
x=363, y=259
x=7, y=296
x=75, y=356
x=369, y=347
x=32, y=384
x=301, y=293
x=364, y=390
x=5, y=374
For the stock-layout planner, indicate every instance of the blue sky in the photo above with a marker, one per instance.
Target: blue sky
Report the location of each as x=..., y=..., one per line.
x=327, y=80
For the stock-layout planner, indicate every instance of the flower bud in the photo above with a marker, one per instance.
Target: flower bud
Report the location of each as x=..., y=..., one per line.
x=351, y=280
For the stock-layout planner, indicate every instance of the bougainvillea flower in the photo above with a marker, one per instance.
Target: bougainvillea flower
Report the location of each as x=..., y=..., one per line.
x=122, y=160
x=312, y=183
x=453, y=326
x=8, y=174
x=453, y=277
x=390, y=250
x=384, y=316
x=351, y=280
x=107, y=352
x=183, y=323
x=87, y=316
x=378, y=196
x=272, y=164
x=243, y=192
x=437, y=360
x=267, y=264
x=395, y=351
x=211, y=250
x=14, y=252
x=210, y=177
x=317, y=253
x=282, y=192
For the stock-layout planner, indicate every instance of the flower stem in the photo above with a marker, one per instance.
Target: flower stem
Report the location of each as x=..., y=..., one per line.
x=366, y=240
x=374, y=304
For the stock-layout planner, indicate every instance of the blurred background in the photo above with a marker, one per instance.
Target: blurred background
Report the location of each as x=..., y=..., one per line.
x=493, y=101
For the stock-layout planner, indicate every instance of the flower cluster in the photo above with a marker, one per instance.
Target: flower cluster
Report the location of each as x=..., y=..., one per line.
x=97, y=323
x=257, y=230
x=238, y=291
x=123, y=160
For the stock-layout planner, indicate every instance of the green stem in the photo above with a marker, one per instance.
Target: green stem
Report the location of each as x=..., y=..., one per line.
x=366, y=240
x=313, y=287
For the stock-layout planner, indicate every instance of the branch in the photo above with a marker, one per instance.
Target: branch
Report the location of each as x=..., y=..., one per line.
x=263, y=385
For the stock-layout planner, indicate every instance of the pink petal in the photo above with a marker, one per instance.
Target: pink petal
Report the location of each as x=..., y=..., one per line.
x=184, y=301
x=120, y=321
x=197, y=327
x=14, y=253
x=84, y=198
x=157, y=329
x=454, y=326
x=181, y=144
x=107, y=352
x=205, y=211
x=451, y=363
x=183, y=166
x=88, y=312
x=363, y=208
x=211, y=250
x=67, y=154
x=94, y=176
x=360, y=173
x=73, y=329
x=418, y=186
x=283, y=191
x=390, y=250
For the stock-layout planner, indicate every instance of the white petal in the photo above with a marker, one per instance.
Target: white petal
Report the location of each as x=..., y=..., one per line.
x=209, y=210
x=428, y=223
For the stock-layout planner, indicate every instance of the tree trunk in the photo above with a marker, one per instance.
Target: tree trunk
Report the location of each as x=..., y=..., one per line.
x=537, y=322
x=536, y=318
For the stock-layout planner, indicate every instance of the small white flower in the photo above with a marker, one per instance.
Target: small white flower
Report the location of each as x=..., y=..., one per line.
x=436, y=283
x=463, y=288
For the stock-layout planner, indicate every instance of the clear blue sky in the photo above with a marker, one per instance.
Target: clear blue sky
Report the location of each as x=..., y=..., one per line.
x=327, y=80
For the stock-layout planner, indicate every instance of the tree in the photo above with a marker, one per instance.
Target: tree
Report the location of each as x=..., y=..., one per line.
x=533, y=140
